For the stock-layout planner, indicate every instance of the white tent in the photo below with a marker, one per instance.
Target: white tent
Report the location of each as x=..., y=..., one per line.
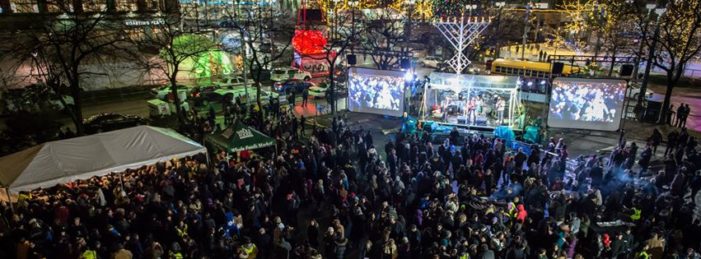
x=62, y=161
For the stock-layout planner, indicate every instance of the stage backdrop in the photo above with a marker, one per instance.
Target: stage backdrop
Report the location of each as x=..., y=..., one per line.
x=376, y=91
x=594, y=104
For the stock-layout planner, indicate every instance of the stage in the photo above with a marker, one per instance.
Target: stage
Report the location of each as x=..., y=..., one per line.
x=476, y=102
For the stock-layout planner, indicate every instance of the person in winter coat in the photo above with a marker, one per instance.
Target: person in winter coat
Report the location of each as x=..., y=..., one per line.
x=521, y=214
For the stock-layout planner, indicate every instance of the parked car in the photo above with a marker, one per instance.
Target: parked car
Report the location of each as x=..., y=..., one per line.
x=284, y=74
x=165, y=93
x=319, y=91
x=111, y=121
x=634, y=92
x=58, y=105
x=292, y=86
x=229, y=95
x=234, y=82
x=430, y=61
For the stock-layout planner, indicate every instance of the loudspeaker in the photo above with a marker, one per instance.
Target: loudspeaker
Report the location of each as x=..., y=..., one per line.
x=351, y=60
x=652, y=113
x=626, y=70
x=557, y=67
x=405, y=63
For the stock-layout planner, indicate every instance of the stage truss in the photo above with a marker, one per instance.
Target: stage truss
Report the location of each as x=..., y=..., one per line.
x=461, y=32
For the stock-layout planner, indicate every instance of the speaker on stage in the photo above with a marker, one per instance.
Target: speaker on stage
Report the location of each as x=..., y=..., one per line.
x=462, y=119
x=558, y=67
x=626, y=70
x=653, y=111
x=351, y=59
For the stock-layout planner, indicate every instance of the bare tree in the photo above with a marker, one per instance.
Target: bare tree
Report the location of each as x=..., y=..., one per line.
x=504, y=25
x=61, y=48
x=256, y=29
x=174, y=47
x=679, y=41
x=613, y=21
x=384, y=40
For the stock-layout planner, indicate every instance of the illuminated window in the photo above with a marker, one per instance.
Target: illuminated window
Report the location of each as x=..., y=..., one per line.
x=94, y=5
x=24, y=6
x=125, y=5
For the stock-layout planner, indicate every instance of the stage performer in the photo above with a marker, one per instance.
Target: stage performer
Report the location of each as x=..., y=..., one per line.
x=501, y=106
x=471, y=106
x=480, y=105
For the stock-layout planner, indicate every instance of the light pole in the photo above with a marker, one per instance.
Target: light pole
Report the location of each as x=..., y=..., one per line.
x=353, y=4
x=271, y=3
x=651, y=54
x=407, y=28
x=650, y=8
x=600, y=15
x=500, y=7
x=526, y=28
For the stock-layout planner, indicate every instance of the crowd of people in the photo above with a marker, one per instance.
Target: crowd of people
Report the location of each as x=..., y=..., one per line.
x=338, y=193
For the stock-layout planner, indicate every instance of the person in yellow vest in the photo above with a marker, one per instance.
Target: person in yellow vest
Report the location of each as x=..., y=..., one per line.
x=643, y=254
x=175, y=251
x=88, y=254
x=181, y=229
x=636, y=214
x=249, y=249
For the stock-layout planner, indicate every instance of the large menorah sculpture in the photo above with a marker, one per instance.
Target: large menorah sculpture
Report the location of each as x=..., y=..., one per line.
x=461, y=32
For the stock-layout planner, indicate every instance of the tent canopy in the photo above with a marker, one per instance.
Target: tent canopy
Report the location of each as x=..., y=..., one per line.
x=62, y=161
x=240, y=137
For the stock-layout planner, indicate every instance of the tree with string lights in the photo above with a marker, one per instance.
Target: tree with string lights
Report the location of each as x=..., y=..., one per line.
x=174, y=47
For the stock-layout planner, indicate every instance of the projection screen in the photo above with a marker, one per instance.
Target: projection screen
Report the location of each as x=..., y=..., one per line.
x=594, y=104
x=376, y=91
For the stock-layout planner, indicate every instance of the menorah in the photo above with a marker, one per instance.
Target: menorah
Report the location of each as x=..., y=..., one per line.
x=461, y=32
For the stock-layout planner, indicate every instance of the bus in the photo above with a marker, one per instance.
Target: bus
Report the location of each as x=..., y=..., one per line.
x=529, y=69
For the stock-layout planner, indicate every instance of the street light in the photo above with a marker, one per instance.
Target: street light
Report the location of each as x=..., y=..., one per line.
x=650, y=8
x=410, y=9
x=471, y=7
x=500, y=5
x=651, y=55
x=353, y=4
x=526, y=29
x=600, y=16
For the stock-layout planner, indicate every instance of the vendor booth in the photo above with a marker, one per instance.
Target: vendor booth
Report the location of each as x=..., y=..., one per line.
x=470, y=100
x=238, y=138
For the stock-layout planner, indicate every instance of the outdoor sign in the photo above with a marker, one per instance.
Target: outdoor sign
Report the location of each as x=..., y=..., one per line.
x=156, y=21
x=315, y=64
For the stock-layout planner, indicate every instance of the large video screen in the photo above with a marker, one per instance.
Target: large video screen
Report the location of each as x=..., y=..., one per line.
x=595, y=104
x=376, y=91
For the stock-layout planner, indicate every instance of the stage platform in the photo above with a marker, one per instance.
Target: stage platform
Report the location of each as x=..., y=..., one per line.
x=469, y=127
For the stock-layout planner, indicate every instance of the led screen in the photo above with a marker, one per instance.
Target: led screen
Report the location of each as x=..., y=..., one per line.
x=594, y=104
x=376, y=91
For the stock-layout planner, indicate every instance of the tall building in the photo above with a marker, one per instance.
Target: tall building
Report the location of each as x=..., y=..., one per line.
x=85, y=6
